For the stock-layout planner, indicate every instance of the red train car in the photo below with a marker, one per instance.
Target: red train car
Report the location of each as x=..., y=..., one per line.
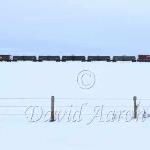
x=5, y=58
x=144, y=58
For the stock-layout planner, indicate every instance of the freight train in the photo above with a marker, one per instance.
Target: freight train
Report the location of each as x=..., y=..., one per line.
x=139, y=58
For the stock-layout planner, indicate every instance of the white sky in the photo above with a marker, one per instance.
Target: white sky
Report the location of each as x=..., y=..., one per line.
x=110, y=26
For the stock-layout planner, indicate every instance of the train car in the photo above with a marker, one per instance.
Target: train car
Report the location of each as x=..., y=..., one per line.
x=24, y=58
x=29, y=58
x=98, y=58
x=73, y=58
x=49, y=58
x=143, y=58
x=124, y=58
x=5, y=58
x=17, y=58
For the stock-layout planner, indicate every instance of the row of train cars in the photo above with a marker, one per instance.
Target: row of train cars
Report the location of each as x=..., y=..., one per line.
x=139, y=58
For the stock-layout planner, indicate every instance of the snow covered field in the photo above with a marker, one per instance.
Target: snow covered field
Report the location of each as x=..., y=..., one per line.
x=93, y=104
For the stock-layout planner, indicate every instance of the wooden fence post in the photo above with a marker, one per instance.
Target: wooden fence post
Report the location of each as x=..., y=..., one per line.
x=52, y=109
x=135, y=107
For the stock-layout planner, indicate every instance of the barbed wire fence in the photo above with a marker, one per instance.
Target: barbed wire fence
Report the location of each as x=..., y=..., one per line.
x=21, y=106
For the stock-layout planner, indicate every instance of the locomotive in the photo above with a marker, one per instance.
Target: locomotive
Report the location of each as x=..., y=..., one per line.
x=140, y=58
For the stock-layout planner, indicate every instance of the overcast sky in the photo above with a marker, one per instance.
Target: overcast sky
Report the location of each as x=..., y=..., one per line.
x=75, y=26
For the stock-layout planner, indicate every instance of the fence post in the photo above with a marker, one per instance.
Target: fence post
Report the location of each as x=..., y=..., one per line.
x=135, y=107
x=52, y=109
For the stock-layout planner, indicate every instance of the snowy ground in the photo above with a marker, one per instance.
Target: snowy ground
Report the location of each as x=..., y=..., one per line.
x=93, y=104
